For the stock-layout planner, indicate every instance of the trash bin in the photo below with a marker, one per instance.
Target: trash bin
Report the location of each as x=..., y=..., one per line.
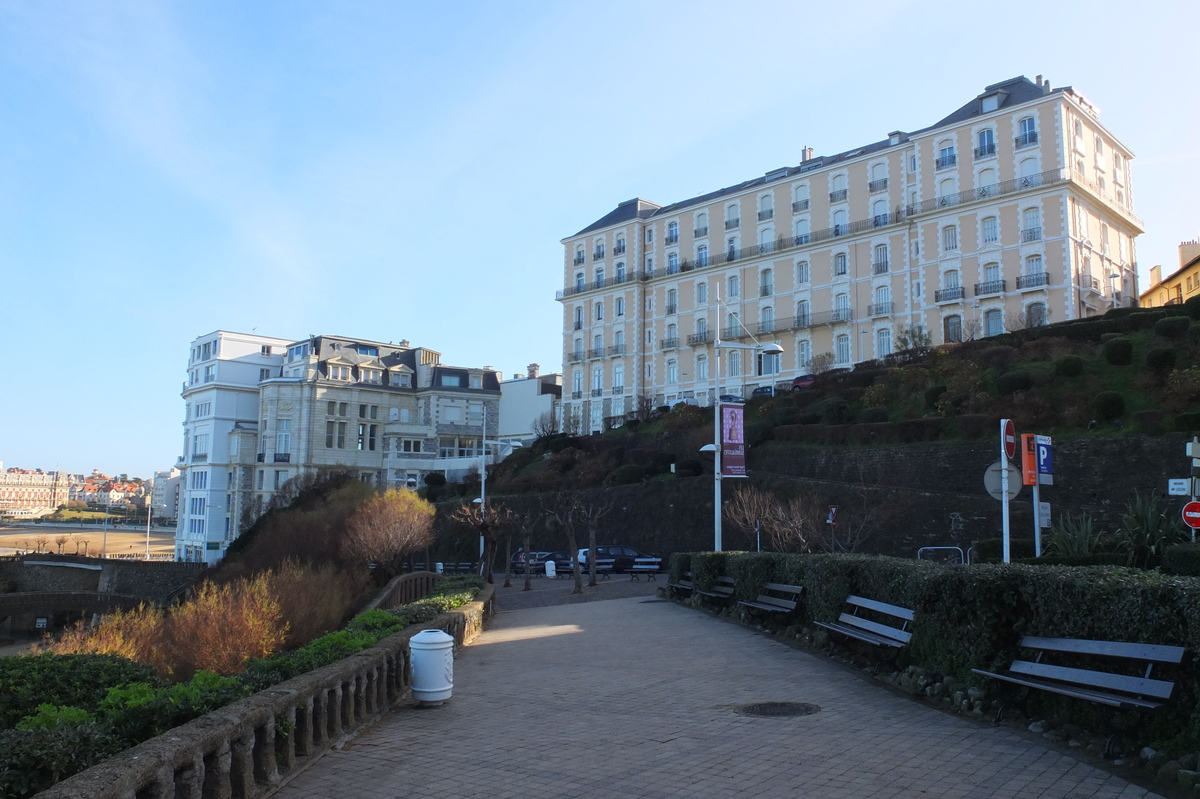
x=438, y=567
x=550, y=569
x=432, y=666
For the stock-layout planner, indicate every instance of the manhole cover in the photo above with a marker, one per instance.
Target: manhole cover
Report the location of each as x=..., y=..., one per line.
x=769, y=710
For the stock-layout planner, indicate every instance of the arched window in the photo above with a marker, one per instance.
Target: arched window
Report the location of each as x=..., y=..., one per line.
x=883, y=342
x=600, y=311
x=993, y=322
x=598, y=253
x=735, y=286
x=672, y=371
x=986, y=143
x=731, y=249
x=672, y=263
x=621, y=272
x=766, y=283
x=802, y=272
x=841, y=308
x=841, y=350
x=800, y=198
x=878, y=172
x=672, y=334
x=733, y=326
x=619, y=246
x=883, y=296
x=839, y=263
x=879, y=213
x=946, y=187
x=991, y=230
x=1027, y=170
x=702, y=294
x=672, y=233
x=701, y=367
x=991, y=273
x=1035, y=314
x=950, y=279
x=1033, y=265
x=838, y=183
x=766, y=240
x=619, y=341
x=597, y=345
x=1027, y=134
x=579, y=257
x=947, y=156
x=579, y=317
x=702, y=329
x=599, y=277
x=766, y=320
x=578, y=350
x=952, y=329
x=672, y=302
x=986, y=181
x=577, y=383
x=949, y=238
x=804, y=353
x=733, y=363
x=1031, y=224
x=881, y=259
x=701, y=225
x=803, y=313
x=579, y=281
x=766, y=207
x=802, y=232
x=702, y=255
x=733, y=216
x=620, y=306
x=618, y=377
x=841, y=224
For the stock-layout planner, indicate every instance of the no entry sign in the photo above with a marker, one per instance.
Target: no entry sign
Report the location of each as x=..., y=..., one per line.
x=1009, y=435
x=1191, y=515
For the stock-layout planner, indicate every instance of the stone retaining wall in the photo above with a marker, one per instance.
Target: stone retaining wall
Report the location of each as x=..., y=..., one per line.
x=244, y=750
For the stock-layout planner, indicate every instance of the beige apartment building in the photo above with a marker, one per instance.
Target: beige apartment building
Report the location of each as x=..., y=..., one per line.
x=1014, y=210
x=1181, y=285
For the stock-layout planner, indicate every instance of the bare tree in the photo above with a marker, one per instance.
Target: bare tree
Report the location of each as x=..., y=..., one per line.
x=1030, y=316
x=793, y=525
x=506, y=522
x=645, y=407
x=547, y=423
x=590, y=515
x=749, y=508
x=914, y=340
x=820, y=364
x=563, y=513
x=389, y=527
x=476, y=515
x=61, y=542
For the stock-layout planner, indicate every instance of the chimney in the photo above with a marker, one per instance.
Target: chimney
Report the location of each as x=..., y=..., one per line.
x=806, y=154
x=1046, y=87
x=535, y=370
x=404, y=343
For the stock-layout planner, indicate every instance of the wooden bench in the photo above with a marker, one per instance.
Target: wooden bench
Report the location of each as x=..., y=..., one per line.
x=1105, y=689
x=776, y=598
x=684, y=583
x=723, y=589
x=877, y=633
x=604, y=568
x=647, y=566
x=458, y=568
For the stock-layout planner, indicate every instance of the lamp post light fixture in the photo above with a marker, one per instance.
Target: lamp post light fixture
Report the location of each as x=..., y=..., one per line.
x=715, y=447
x=481, y=500
x=1111, y=289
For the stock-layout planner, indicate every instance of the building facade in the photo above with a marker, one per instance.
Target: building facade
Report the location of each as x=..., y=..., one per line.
x=26, y=493
x=1014, y=210
x=1179, y=286
x=392, y=414
x=530, y=405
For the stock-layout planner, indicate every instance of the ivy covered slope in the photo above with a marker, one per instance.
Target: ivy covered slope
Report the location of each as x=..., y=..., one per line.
x=1128, y=371
x=60, y=714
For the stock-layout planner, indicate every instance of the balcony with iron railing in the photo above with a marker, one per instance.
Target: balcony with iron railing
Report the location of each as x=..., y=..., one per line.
x=700, y=232
x=199, y=457
x=597, y=392
x=763, y=328
x=1046, y=178
x=671, y=238
x=596, y=352
x=945, y=162
x=986, y=151
x=799, y=206
x=767, y=290
x=616, y=349
x=730, y=224
x=619, y=248
x=698, y=338
x=1026, y=140
x=949, y=295
x=1033, y=281
x=836, y=316
x=669, y=343
x=879, y=268
x=876, y=186
x=766, y=214
x=672, y=309
x=575, y=357
x=991, y=287
x=598, y=255
x=839, y=195
x=576, y=395
x=880, y=309
x=1089, y=283
x=579, y=258
x=282, y=457
x=618, y=390
x=1031, y=234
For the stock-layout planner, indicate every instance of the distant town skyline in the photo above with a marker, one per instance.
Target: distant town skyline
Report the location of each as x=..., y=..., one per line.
x=407, y=172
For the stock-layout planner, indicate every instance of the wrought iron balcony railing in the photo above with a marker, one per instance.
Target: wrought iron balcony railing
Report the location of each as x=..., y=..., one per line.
x=991, y=287
x=947, y=295
x=1036, y=280
x=799, y=206
x=876, y=186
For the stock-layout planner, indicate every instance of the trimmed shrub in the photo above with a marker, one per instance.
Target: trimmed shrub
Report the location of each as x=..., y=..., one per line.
x=1143, y=320
x=1187, y=422
x=33, y=760
x=560, y=442
x=1193, y=334
x=689, y=468
x=1172, y=326
x=976, y=425
x=1193, y=307
x=1016, y=380
x=933, y=394
x=872, y=415
x=435, y=480
x=998, y=358
x=1182, y=559
x=1119, y=351
x=1107, y=337
x=1069, y=366
x=78, y=680
x=626, y=475
x=1160, y=359
x=1109, y=405
x=1151, y=422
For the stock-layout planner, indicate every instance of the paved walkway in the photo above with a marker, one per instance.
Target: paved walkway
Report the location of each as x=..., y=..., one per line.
x=635, y=698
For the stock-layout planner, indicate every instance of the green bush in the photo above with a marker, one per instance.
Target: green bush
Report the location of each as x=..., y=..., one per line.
x=1069, y=366
x=625, y=475
x=1187, y=422
x=435, y=480
x=873, y=415
x=1161, y=359
x=1193, y=307
x=34, y=759
x=80, y=681
x=1109, y=405
x=689, y=468
x=1143, y=320
x=1172, y=326
x=1119, y=351
x=1151, y=422
x=1193, y=333
x=1016, y=380
x=933, y=394
x=1182, y=559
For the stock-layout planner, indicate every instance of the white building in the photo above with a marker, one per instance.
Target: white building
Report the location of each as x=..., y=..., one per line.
x=165, y=493
x=527, y=402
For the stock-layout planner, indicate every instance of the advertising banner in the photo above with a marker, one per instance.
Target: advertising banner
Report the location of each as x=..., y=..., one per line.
x=1029, y=474
x=733, y=441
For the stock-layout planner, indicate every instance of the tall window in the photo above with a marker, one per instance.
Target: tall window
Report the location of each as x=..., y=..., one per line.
x=950, y=279
x=883, y=299
x=991, y=273
x=1035, y=314
x=672, y=300
x=283, y=435
x=839, y=263
x=768, y=363
x=733, y=359
x=841, y=352
x=731, y=249
x=803, y=313
x=735, y=286
x=702, y=255
x=987, y=143
x=949, y=238
x=766, y=320
x=621, y=272
x=619, y=340
x=672, y=263
x=1033, y=265
x=600, y=311
x=579, y=318
x=841, y=308
x=991, y=230
x=672, y=371
x=881, y=257
x=620, y=306
x=701, y=224
x=766, y=283
x=579, y=281
x=701, y=293
x=702, y=328
x=672, y=232
x=577, y=382
x=883, y=342
x=1032, y=223
x=841, y=223
x=993, y=322
x=804, y=353
x=952, y=328
x=619, y=376
x=702, y=367
x=802, y=231
x=597, y=379
x=802, y=273
x=672, y=332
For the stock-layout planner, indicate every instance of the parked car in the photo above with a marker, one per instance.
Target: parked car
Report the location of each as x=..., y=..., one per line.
x=763, y=391
x=803, y=381
x=622, y=556
x=562, y=561
x=731, y=398
x=536, y=561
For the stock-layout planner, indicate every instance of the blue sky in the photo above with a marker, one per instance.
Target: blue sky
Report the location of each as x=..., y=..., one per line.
x=399, y=170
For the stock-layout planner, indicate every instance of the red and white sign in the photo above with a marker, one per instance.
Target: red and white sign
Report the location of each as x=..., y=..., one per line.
x=1009, y=436
x=1191, y=515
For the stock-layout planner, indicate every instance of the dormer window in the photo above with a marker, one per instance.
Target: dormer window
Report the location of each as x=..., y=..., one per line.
x=989, y=103
x=374, y=376
x=339, y=372
x=365, y=350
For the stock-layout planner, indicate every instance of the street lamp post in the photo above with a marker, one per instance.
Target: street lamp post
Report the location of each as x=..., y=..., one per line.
x=758, y=347
x=483, y=445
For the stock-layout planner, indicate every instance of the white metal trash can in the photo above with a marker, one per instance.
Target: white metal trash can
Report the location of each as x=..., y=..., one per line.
x=550, y=569
x=432, y=666
x=438, y=567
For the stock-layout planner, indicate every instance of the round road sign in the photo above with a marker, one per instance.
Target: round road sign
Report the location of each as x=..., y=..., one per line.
x=1009, y=437
x=1191, y=515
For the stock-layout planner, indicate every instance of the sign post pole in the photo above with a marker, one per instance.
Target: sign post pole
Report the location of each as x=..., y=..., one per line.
x=1029, y=477
x=1008, y=448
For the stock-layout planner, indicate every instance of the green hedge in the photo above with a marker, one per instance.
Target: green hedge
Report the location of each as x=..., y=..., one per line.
x=974, y=616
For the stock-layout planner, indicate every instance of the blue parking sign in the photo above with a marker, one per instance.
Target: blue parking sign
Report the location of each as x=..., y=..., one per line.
x=1045, y=461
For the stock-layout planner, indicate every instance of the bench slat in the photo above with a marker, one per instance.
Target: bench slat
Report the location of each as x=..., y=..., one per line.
x=1113, y=700
x=875, y=627
x=1097, y=679
x=784, y=588
x=770, y=603
x=881, y=607
x=861, y=634
x=1118, y=649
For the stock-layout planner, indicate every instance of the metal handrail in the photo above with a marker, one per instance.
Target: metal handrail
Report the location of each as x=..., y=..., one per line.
x=962, y=558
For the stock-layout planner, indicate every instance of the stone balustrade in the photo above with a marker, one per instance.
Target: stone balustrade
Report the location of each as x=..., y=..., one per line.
x=244, y=750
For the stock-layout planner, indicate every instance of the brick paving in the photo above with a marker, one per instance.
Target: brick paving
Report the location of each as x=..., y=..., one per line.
x=635, y=696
